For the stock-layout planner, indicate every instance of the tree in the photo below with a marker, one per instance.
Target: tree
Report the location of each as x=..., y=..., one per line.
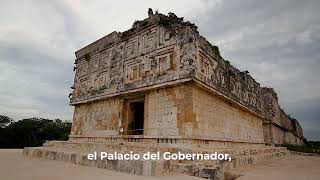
x=5, y=121
x=32, y=132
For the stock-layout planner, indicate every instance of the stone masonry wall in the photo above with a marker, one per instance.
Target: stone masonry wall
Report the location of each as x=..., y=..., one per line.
x=161, y=51
x=171, y=113
x=183, y=111
x=216, y=72
x=146, y=55
x=99, y=118
x=280, y=128
x=221, y=120
x=161, y=113
x=275, y=134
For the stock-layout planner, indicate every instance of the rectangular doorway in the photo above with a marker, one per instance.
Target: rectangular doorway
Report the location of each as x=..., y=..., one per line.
x=138, y=117
x=133, y=123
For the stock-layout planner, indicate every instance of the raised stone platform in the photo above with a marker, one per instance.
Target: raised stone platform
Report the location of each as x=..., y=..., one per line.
x=76, y=152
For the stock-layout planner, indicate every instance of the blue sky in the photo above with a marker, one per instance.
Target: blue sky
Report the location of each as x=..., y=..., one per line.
x=278, y=42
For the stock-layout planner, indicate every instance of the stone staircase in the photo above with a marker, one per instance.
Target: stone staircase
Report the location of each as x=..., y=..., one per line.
x=76, y=152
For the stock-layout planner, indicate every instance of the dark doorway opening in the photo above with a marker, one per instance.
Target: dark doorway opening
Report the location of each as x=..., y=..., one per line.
x=138, y=117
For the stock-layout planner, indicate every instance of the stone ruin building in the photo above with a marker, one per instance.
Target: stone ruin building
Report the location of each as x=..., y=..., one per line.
x=161, y=86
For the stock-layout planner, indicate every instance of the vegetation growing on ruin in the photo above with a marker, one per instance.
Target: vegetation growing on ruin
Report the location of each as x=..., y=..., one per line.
x=173, y=20
x=215, y=50
x=135, y=27
x=166, y=22
x=100, y=90
x=128, y=33
x=103, y=87
x=227, y=62
x=87, y=56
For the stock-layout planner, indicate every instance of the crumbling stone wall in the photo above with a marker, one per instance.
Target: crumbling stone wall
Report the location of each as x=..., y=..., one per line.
x=279, y=127
x=146, y=55
x=163, y=51
x=219, y=74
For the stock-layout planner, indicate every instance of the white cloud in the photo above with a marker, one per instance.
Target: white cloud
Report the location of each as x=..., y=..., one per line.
x=38, y=40
x=277, y=45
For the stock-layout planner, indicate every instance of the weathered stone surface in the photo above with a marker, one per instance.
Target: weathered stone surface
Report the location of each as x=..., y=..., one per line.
x=241, y=157
x=163, y=51
x=162, y=87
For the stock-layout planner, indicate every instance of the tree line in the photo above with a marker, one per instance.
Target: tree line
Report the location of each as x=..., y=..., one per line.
x=31, y=131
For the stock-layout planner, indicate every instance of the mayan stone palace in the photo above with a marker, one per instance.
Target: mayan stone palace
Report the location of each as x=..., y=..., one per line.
x=161, y=86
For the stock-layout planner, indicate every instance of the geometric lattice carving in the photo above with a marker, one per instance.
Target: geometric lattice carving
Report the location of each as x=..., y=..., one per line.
x=132, y=71
x=165, y=63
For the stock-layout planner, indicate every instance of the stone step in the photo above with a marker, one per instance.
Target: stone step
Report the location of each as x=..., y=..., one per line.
x=214, y=169
x=138, y=167
x=183, y=168
x=207, y=172
x=76, y=152
x=91, y=145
